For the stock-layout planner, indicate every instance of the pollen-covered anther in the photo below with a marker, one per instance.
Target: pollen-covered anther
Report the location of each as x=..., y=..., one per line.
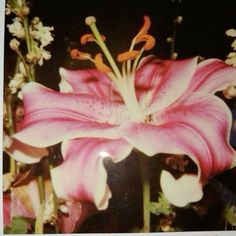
x=144, y=29
x=89, y=38
x=100, y=64
x=125, y=56
x=149, y=41
x=76, y=54
x=90, y=20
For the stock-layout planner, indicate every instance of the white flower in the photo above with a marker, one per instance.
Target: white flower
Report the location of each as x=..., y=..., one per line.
x=16, y=28
x=231, y=32
x=17, y=82
x=17, y=7
x=22, y=69
x=38, y=56
x=14, y=44
x=40, y=32
x=231, y=59
x=233, y=45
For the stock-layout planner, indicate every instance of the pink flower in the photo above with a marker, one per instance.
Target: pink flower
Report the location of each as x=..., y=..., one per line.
x=24, y=201
x=177, y=113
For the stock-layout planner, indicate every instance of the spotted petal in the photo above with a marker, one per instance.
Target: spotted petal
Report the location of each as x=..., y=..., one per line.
x=82, y=175
x=90, y=81
x=51, y=117
x=164, y=81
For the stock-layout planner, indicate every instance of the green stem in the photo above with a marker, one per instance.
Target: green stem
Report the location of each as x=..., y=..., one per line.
x=27, y=34
x=39, y=226
x=144, y=165
x=55, y=205
x=11, y=128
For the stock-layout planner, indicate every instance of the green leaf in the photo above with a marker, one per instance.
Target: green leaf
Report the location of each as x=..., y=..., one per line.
x=162, y=206
x=19, y=226
x=230, y=215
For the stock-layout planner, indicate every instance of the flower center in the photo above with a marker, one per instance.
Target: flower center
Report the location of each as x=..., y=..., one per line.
x=123, y=79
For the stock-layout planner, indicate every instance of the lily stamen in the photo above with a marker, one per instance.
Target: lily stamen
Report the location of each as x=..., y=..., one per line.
x=125, y=56
x=89, y=38
x=143, y=30
x=149, y=41
x=98, y=61
x=76, y=54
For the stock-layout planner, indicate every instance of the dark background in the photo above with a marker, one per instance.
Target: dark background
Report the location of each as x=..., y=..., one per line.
x=202, y=31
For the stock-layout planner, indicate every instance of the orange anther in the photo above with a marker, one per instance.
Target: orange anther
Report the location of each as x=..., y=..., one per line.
x=76, y=54
x=89, y=38
x=100, y=65
x=144, y=29
x=149, y=41
x=125, y=56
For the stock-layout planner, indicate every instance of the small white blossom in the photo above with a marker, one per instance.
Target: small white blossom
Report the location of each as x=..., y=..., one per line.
x=40, y=32
x=38, y=56
x=14, y=44
x=22, y=69
x=230, y=92
x=17, y=7
x=231, y=57
x=49, y=215
x=233, y=45
x=231, y=32
x=16, y=28
x=16, y=82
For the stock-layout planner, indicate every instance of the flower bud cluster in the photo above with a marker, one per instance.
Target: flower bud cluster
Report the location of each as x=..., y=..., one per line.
x=231, y=57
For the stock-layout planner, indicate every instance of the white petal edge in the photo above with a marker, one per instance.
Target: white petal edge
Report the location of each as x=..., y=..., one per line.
x=182, y=191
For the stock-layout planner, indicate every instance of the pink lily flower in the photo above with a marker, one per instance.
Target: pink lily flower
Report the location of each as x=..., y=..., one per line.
x=155, y=107
x=24, y=201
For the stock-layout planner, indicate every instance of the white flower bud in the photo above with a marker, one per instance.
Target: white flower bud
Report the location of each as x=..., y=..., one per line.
x=14, y=44
x=231, y=32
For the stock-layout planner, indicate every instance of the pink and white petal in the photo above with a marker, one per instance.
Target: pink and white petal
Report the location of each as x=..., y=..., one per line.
x=6, y=209
x=82, y=175
x=48, y=132
x=167, y=81
x=182, y=191
x=77, y=214
x=90, y=81
x=25, y=199
x=25, y=153
x=172, y=138
x=208, y=116
x=56, y=116
x=212, y=75
x=38, y=98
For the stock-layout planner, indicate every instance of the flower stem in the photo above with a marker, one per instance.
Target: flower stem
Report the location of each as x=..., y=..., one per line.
x=144, y=165
x=39, y=226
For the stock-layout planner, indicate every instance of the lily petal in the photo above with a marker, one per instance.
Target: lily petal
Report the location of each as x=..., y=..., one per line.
x=210, y=118
x=165, y=81
x=182, y=191
x=6, y=209
x=77, y=213
x=57, y=116
x=82, y=175
x=25, y=153
x=212, y=75
x=90, y=81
